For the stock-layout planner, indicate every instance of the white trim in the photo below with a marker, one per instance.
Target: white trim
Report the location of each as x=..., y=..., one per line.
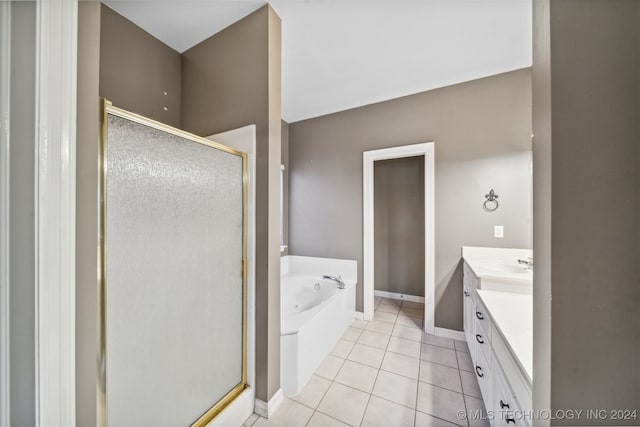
x=244, y=139
x=395, y=295
x=266, y=409
x=450, y=333
x=236, y=413
x=56, y=63
x=358, y=315
x=368, y=158
x=5, y=166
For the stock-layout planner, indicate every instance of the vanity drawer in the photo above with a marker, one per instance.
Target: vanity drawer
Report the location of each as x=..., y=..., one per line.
x=482, y=369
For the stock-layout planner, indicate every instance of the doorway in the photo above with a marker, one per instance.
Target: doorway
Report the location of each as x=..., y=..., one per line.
x=398, y=221
x=390, y=212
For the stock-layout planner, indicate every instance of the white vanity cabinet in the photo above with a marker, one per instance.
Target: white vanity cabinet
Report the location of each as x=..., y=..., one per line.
x=505, y=387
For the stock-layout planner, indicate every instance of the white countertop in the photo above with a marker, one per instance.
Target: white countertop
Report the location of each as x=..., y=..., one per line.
x=513, y=315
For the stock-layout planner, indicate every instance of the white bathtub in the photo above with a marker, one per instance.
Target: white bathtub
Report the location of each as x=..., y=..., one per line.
x=314, y=314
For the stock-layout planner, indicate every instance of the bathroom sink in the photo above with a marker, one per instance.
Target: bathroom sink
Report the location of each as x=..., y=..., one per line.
x=506, y=268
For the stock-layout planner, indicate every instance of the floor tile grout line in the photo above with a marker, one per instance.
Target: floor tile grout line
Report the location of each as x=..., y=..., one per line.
x=368, y=401
x=464, y=401
x=367, y=345
x=415, y=415
x=439, y=346
x=353, y=388
x=323, y=396
x=391, y=401
x=371, y=394
x=440, y=364
x=447, y=389
x=438, y=418
x=330, y=416
x=396, y=403
x=403, y=354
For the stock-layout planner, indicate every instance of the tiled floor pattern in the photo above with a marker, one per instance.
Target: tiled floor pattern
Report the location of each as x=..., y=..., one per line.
x=386, y=373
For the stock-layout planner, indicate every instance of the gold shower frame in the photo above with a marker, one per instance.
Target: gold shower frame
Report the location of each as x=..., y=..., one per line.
x=102, y=403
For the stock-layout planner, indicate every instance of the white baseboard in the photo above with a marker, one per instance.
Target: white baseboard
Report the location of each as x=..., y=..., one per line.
x=266, y=409
x=237, y=412
x=450, y=333
x=394, y=295
x=358, y=315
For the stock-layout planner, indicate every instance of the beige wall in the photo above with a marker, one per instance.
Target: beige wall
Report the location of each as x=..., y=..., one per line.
x=87, y=152
x=586, y=177
x=481, y=131
x=232, y=80
x=136, y=70
x=285, y=162
x=399, y=225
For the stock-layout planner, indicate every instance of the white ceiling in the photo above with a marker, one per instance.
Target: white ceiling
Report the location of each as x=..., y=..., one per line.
x=341, y=54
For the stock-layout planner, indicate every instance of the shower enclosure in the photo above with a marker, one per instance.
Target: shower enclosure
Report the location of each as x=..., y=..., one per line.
x=173, y=286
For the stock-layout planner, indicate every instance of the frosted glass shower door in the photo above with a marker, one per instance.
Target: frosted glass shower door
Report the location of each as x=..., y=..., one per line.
x=173, y=295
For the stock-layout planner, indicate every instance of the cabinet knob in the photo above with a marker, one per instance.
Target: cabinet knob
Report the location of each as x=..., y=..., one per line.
x=479, y=338
x=466, y=293
x=479, y=315
x=479, y=371
x=503, y=405
x=510, y=420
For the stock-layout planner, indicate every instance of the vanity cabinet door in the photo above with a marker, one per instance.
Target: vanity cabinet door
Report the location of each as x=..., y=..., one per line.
x=483, y=371
x=469, y=308
x=469, y=286
x=482, y=335
x=505, y=406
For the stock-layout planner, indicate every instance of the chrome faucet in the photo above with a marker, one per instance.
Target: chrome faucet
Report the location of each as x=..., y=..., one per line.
x=527, y=263
x=338, y=280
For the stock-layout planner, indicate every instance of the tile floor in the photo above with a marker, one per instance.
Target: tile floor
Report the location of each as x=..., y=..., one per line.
x=385, y=373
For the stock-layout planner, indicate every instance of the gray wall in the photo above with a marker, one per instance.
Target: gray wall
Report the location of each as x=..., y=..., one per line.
x=136, y=70
x=22, y=213
x=586, y=177
x=482, y=134
x=285, y=161
x=87, y=152
x=232, y=80
x=399, y=225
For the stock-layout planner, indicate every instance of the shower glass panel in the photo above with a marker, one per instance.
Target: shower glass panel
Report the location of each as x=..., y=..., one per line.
x=173, y=335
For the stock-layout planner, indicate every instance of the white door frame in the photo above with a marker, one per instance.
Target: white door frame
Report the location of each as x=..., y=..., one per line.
x=55, y=211
x=5, y=106
x=368, y=158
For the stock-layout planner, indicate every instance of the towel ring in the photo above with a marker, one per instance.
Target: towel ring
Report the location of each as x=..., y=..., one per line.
x=491, y=204
x=491, y=208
